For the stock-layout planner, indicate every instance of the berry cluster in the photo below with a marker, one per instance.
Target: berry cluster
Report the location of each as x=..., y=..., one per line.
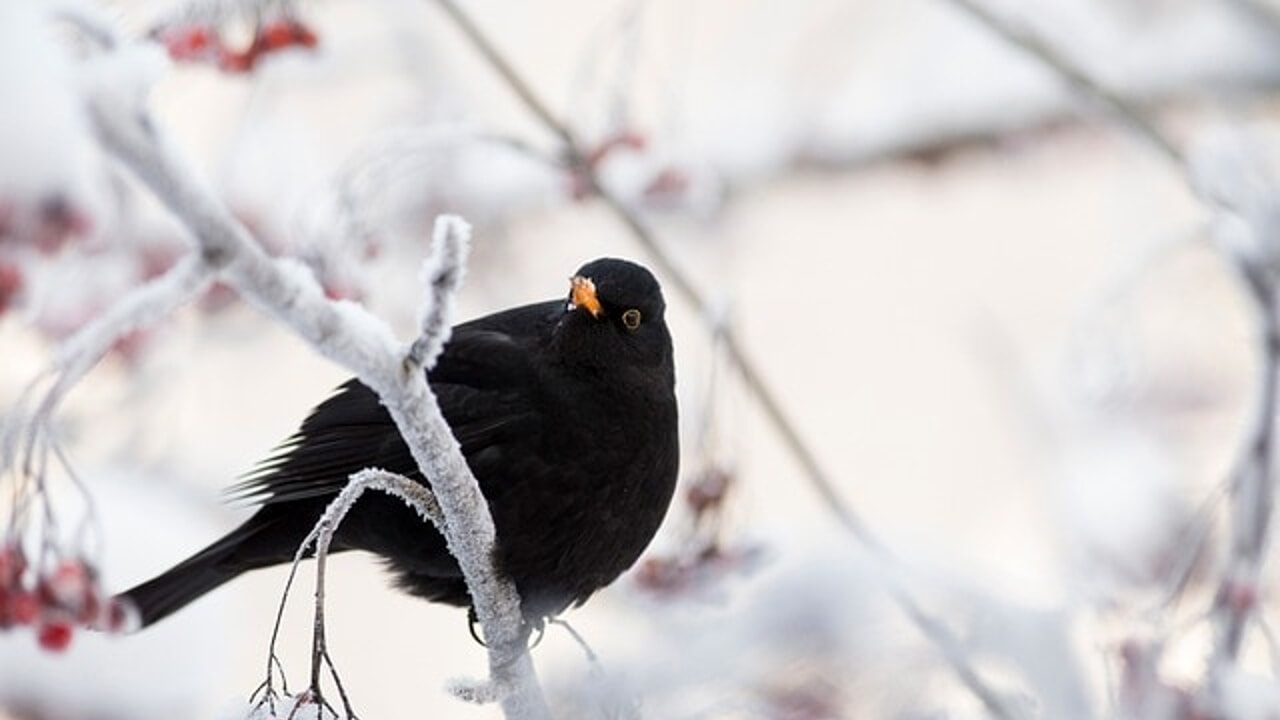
x=199, y=43
x=55, y=601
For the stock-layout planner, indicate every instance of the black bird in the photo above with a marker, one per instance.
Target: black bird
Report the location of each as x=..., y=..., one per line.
x=566, y=414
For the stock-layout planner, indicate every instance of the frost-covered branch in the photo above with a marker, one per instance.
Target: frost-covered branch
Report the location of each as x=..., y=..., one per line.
x=415, y=495
x=1252, y=487
x=76, y=355
x=347, y=334
x=441, y=277
x=1234, y=174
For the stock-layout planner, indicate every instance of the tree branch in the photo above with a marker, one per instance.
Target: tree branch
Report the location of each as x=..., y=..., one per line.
x=1232, y=176
x=347, y=334
x=1075, y=76
x=1252, y=491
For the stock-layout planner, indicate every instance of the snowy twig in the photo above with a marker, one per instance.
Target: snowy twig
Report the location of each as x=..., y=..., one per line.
x=365, y=345
x=143, y=306
x=27, y=436
x=441, y=277
x=414, y=494
x=1074, y=75
x=1252, y=494
x=1233, y=175
x=91, y=19
x=952, y=651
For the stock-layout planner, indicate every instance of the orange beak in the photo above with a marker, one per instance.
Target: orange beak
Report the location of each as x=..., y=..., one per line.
x=583, y=295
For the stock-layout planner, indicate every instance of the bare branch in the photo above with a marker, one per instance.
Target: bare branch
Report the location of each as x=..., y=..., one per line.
x=1233, y=175
x=1262, y=11
x=1252, y=496
x=1075, y=76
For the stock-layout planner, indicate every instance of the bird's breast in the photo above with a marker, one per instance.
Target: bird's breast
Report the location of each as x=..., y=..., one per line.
x=613, y=463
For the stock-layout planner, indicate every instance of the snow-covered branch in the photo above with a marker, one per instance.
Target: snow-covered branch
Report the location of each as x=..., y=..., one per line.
x=342, y=331
x=1233, y=173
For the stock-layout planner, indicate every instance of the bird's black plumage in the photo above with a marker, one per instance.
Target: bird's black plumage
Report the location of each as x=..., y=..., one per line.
x=566, y=414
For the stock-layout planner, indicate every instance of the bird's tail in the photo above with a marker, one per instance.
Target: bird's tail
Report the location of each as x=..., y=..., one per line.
x=172, y=590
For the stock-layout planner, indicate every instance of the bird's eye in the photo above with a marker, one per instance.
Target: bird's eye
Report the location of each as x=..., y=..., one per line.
x=631, y=319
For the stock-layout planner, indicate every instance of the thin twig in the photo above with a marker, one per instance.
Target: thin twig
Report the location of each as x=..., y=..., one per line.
x=441, y=277
x=1252, y=496
x=414, y=494
x=1081, y=81
x=1261, y=12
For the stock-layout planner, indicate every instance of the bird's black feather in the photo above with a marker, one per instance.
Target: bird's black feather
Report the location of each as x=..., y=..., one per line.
x=567, y=419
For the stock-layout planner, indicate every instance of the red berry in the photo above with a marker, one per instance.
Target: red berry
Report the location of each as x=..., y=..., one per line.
x=10, y=286
x=304, y=36
x=275, y=35
x=6, y=219
x=54, y=636
x=197, y=39
x=13, y=563
x=234, y=62
x=709, y=491
x=24, y=608
x=191, y=42
x=69, y=584
x=668, y=183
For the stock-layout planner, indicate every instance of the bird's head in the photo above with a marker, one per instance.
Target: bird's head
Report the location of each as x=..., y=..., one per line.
x=614, y=314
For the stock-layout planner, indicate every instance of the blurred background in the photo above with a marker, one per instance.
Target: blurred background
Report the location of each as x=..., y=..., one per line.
x=998, y=317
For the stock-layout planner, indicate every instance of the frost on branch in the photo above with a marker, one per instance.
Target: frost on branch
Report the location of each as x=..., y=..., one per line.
x=343, y=331
x=1235, y=171
x=318, y=540
x=442, y=275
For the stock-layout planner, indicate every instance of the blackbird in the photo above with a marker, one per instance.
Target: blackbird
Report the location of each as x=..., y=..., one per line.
x=566, y=414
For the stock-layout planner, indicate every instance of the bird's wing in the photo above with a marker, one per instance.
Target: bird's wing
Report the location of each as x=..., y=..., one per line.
x=485, y=384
